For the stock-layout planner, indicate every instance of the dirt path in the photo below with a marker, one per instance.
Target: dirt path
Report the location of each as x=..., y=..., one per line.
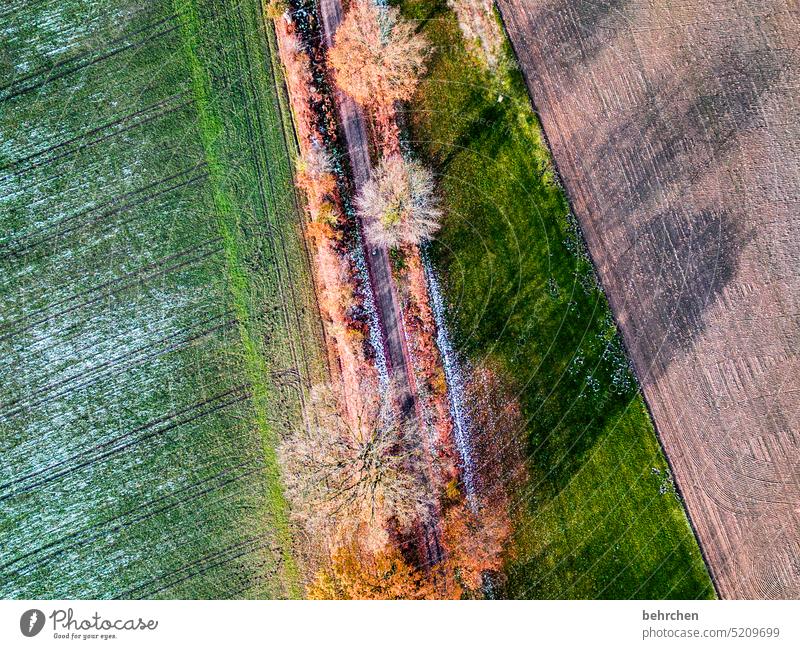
x=674, y=129
x=387, y=303
x=379, y=266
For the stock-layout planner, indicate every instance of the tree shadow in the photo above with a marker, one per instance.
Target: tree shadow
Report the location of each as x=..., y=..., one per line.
x=682, y=262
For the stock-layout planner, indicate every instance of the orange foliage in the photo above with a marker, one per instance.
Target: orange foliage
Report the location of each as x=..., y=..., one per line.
x=318, y=231
x=421, y=332
x=377, y=56
x=378, y=71
x=356, y=574
x=297, y=68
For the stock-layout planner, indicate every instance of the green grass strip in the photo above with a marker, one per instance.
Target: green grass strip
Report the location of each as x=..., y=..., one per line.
x=212, y=135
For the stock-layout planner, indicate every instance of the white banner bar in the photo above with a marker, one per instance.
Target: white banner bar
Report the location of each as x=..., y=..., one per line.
x=374, y=625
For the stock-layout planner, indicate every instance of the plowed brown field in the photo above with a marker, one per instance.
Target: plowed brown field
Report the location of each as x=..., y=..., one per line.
x=675, y=130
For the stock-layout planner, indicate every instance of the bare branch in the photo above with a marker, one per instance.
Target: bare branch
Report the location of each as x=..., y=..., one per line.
x=341, y=475
x=398, y=204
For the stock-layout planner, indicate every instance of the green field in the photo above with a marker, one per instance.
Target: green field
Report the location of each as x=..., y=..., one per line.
x=157, y=322
x=599, y=516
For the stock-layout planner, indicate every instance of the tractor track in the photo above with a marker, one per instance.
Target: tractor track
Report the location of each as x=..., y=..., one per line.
x=149, y=117
x=123, y=363
x=139, y=277
x=19, y=246
x=93, y=131
x=122, y=442
x=287, y=303
x=8, y=93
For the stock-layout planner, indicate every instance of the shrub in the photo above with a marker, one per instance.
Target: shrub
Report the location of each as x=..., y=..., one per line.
x=315, y=172
x=355, y=574
x=475, y=543
x=398, y=204
x=275, y=9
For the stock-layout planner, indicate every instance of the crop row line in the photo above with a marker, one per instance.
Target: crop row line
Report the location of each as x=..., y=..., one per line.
x=85, y=353
x=181, y=497
x=259, y=573
x=19, y=246
x=39, y=182
x=258, y=135
x=199, y=566
x=140, y=276
x=123, y=442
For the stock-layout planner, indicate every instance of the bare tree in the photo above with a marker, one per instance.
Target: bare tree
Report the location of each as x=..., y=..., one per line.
x=342, y=474
x=398, y=204
x=376, y=55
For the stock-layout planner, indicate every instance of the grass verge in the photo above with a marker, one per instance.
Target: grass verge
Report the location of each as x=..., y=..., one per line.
x=268, y=128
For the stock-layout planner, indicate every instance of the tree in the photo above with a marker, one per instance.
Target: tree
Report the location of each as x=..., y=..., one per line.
x=475, y=543
x=315, y=172
x=345, y=473
x=376, y=56
x=355, y=574
x=276, y=9
x=398, y=204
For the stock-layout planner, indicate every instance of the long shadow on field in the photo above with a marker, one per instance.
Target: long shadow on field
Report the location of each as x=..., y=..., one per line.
x=685, y=127
x=673, y=138
x=582, y=30
x=682, y=262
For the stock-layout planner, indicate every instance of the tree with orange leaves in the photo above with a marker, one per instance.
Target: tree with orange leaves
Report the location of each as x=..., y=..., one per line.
x=376, y=56
x=356, y=574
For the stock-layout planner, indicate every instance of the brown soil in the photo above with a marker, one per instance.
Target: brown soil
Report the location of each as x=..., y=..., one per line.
x=674, y=127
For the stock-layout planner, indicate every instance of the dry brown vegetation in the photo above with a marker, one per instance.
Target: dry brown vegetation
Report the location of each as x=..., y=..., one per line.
x=475, y=535
x=334, y=271
x=354, y=474
x=377, y=56
x=475, y=542
x=427, y=362
x=497, y=423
